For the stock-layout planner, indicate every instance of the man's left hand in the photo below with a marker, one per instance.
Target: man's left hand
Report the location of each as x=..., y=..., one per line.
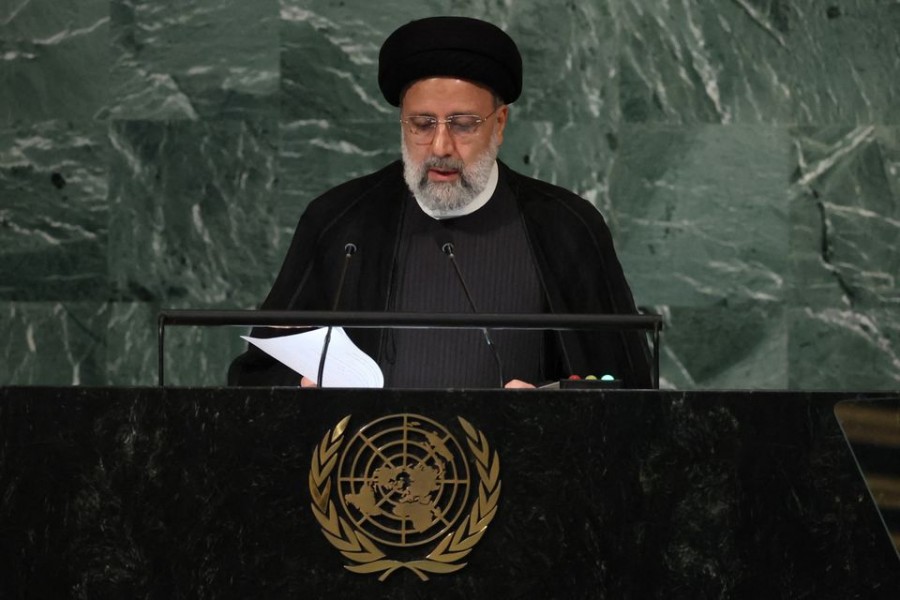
x=518, y=384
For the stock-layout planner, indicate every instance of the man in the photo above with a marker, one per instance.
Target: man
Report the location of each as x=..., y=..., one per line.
x=523, y=246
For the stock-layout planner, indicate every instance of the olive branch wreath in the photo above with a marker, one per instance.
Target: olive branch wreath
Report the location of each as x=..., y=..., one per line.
x=359, y=548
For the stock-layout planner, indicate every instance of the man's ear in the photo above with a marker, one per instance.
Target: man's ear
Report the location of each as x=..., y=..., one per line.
x=502, y=116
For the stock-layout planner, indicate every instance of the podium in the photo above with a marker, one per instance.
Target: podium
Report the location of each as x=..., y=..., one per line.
x=174, y=492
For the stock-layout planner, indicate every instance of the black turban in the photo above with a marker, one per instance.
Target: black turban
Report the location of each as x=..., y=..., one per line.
x=450, y=47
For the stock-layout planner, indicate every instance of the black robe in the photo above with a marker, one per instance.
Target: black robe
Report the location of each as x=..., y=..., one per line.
x=571, y=245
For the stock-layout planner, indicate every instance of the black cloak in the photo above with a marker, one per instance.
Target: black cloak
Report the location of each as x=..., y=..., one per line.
x=571, y=245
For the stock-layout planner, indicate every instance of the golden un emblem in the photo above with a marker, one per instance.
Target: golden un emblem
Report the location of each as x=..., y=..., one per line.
x=406, y=498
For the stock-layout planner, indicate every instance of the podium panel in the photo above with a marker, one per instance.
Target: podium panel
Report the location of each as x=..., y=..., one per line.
x=288, y=493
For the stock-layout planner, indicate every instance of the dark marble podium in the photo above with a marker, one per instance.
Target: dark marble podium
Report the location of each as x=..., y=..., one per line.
x=202, y=493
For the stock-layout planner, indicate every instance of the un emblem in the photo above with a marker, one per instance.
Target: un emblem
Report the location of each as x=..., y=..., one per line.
x=404, y=489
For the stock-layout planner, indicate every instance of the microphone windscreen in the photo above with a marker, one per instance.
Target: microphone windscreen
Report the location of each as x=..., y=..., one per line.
x=443, y=239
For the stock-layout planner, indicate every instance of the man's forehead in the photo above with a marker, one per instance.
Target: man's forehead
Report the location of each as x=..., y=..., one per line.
x=446, y=91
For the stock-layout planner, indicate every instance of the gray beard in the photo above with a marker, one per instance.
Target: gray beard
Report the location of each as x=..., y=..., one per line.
x=449, y=195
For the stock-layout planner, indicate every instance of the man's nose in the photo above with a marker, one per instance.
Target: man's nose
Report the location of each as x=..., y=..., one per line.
x=442, y=144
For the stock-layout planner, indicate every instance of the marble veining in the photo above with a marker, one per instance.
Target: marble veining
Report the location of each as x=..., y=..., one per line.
x=193, y=59
x=744, y=153
x=53, y=212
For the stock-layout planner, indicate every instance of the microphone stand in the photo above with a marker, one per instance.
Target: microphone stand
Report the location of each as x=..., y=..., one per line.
x=350, y=250
x=447, y=248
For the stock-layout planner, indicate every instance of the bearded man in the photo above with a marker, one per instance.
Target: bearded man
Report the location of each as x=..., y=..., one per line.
x=525, y=246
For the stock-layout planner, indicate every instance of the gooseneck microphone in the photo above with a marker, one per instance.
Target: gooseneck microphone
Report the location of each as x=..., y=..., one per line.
x=349, y=251
x=447, y=248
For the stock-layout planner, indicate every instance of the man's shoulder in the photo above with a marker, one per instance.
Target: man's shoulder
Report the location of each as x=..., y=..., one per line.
x=384, y=183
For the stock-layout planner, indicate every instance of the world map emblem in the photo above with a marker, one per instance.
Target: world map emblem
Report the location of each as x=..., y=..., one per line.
x=406, y=497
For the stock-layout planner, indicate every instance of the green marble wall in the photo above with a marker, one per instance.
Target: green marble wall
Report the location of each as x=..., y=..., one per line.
x=746, y=154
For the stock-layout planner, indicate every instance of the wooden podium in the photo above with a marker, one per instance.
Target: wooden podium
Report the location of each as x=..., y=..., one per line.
x=202, y=493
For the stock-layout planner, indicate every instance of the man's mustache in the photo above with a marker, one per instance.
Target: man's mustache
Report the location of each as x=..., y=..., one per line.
x=444, y=164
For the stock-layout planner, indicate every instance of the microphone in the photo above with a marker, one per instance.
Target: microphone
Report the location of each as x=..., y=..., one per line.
x=447, y=248
x=349, y=251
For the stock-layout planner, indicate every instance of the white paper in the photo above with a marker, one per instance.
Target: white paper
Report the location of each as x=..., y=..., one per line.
x=345, y=364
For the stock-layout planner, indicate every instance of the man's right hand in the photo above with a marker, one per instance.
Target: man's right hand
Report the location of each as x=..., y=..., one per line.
x=307, y=382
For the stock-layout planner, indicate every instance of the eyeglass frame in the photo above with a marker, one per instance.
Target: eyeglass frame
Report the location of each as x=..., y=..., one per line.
x=448, y=121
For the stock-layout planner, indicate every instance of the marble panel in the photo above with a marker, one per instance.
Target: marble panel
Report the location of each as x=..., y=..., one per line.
x=53, y=211
x=53, y=343
x=569, y=59
x=131, y=340
x=578, y=157
x=741, y=346
x=194, y=59
x=843, y=348
x=194, y=356
x=192, y=212
x=702, y=212
x=845, y=217
x=329, y=58
x=760, y=61
x=55, y=60
x=200, y=356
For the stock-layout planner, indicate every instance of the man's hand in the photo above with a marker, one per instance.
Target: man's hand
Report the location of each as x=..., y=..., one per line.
x=511, y=384
x=517, y=384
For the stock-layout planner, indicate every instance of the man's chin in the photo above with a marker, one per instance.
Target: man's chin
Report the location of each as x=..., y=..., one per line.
x=444, y=201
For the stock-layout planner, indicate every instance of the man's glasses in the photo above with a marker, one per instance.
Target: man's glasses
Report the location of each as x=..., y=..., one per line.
x=422, y=127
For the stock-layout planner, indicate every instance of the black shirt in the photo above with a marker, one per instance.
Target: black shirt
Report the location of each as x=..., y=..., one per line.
x=494, y=258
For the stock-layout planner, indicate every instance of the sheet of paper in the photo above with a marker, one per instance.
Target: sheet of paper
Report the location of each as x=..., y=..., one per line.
x=345, y=364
